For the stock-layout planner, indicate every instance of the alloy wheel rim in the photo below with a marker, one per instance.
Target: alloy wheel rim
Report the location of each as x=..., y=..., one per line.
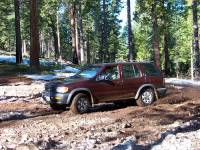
x=147, y=97
x=82, y=104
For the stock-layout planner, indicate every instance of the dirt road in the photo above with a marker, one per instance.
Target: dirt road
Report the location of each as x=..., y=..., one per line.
x=31, y=124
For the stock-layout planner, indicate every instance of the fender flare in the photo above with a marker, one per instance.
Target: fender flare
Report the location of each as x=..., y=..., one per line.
x=142, y=87
x=71, y=94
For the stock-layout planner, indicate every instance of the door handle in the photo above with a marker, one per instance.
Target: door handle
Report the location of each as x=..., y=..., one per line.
x=120, y=82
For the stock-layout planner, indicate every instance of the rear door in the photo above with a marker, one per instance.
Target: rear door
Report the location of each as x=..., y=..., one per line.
x=132, y=79
x=153, y=74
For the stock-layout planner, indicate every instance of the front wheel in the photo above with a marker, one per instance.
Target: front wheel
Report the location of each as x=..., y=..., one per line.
x=80, y=104
x=57, y=107
x=146, y=98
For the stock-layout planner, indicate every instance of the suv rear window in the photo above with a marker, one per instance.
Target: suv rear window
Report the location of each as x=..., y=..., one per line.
x=150, y=69
x=130, y=71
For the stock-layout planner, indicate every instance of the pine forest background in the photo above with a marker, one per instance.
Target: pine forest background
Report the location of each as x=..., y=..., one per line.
x=90, y=31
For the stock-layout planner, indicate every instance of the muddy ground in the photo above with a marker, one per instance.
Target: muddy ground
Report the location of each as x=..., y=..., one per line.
x=31, y=124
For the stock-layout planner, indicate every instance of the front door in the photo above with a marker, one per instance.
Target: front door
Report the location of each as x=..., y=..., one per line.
x=108, y=84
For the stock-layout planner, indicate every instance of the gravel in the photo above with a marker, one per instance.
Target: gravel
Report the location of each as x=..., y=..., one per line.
x=21, y=90
x=21, y=130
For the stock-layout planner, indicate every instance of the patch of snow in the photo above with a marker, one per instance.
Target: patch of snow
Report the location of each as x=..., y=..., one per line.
x=128, y=144
x=41, y=77
x=12, y=59
x=184, y=82
x=21, y=90
x=63, y=73
x=68, y=69
x=71, y=69
x=48, y=77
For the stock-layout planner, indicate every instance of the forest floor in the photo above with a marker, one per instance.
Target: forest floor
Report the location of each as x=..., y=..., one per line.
x=26, y=122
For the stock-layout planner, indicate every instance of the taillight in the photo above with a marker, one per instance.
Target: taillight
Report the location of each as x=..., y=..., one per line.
x=164, y=82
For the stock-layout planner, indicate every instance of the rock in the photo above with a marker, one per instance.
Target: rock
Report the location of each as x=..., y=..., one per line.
x=82, y=128
x=103, y=130
x=121, y=131
x=26, y=147
x=109, y=130
x=98, y=141
x=127, y=125
x=24, y=138
x=126, y=145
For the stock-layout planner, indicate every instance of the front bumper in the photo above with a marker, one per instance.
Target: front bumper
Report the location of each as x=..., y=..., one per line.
x=58, y=98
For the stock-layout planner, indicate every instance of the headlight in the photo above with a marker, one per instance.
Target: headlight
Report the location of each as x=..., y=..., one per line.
x=62, y=89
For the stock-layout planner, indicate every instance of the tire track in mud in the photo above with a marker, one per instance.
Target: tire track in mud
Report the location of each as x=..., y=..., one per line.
x=8, y=119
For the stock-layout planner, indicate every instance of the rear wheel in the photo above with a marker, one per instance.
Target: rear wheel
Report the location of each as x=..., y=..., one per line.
x=80, y=104
x=146, y=98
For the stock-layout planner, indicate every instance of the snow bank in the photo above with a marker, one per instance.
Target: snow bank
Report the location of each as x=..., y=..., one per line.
x=184, y=82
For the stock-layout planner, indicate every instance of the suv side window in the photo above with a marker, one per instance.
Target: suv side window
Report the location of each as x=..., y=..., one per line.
x=130, y=71
x=110, y=73
x=150, y=69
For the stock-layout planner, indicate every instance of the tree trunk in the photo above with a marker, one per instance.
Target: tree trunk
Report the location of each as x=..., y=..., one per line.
x=73, y=33
x=196, y=40
x=155, y=40
x=165, y=26
x=24, y=48
x=88, y=48
x=77, y=40
x=34, y=35
x=55, y=37
x=82, y=48
x=47, y=52
x=131, y=45
x=42, y=48
x=166, y=54
x=103, y=53
x=58, y=35
x=18, y=33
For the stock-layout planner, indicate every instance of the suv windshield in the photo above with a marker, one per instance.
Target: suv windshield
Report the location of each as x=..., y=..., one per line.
x=88, y=72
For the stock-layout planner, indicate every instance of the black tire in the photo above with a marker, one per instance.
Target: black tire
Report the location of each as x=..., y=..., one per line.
x=80, y=104
x=162, y=94
x=146, y=98
x=57, y=107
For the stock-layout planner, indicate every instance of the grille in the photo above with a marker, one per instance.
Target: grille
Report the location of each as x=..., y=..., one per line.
x=50, y=88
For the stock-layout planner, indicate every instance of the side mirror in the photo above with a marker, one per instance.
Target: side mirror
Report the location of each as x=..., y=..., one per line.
x=100, y=78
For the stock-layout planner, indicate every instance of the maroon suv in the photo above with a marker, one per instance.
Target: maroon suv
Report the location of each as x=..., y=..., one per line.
x=110, y=82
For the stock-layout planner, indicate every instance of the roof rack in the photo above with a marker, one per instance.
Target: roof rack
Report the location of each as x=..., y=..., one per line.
x=135, y=61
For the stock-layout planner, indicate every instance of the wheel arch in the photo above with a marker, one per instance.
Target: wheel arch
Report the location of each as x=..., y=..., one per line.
x=145, y=86
x=74, y=92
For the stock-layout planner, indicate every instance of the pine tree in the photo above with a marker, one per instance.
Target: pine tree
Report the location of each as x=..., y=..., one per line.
x=131, y=45
x=34, y=35
x=155, y=38
x=18, y=32
x=196, y=39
